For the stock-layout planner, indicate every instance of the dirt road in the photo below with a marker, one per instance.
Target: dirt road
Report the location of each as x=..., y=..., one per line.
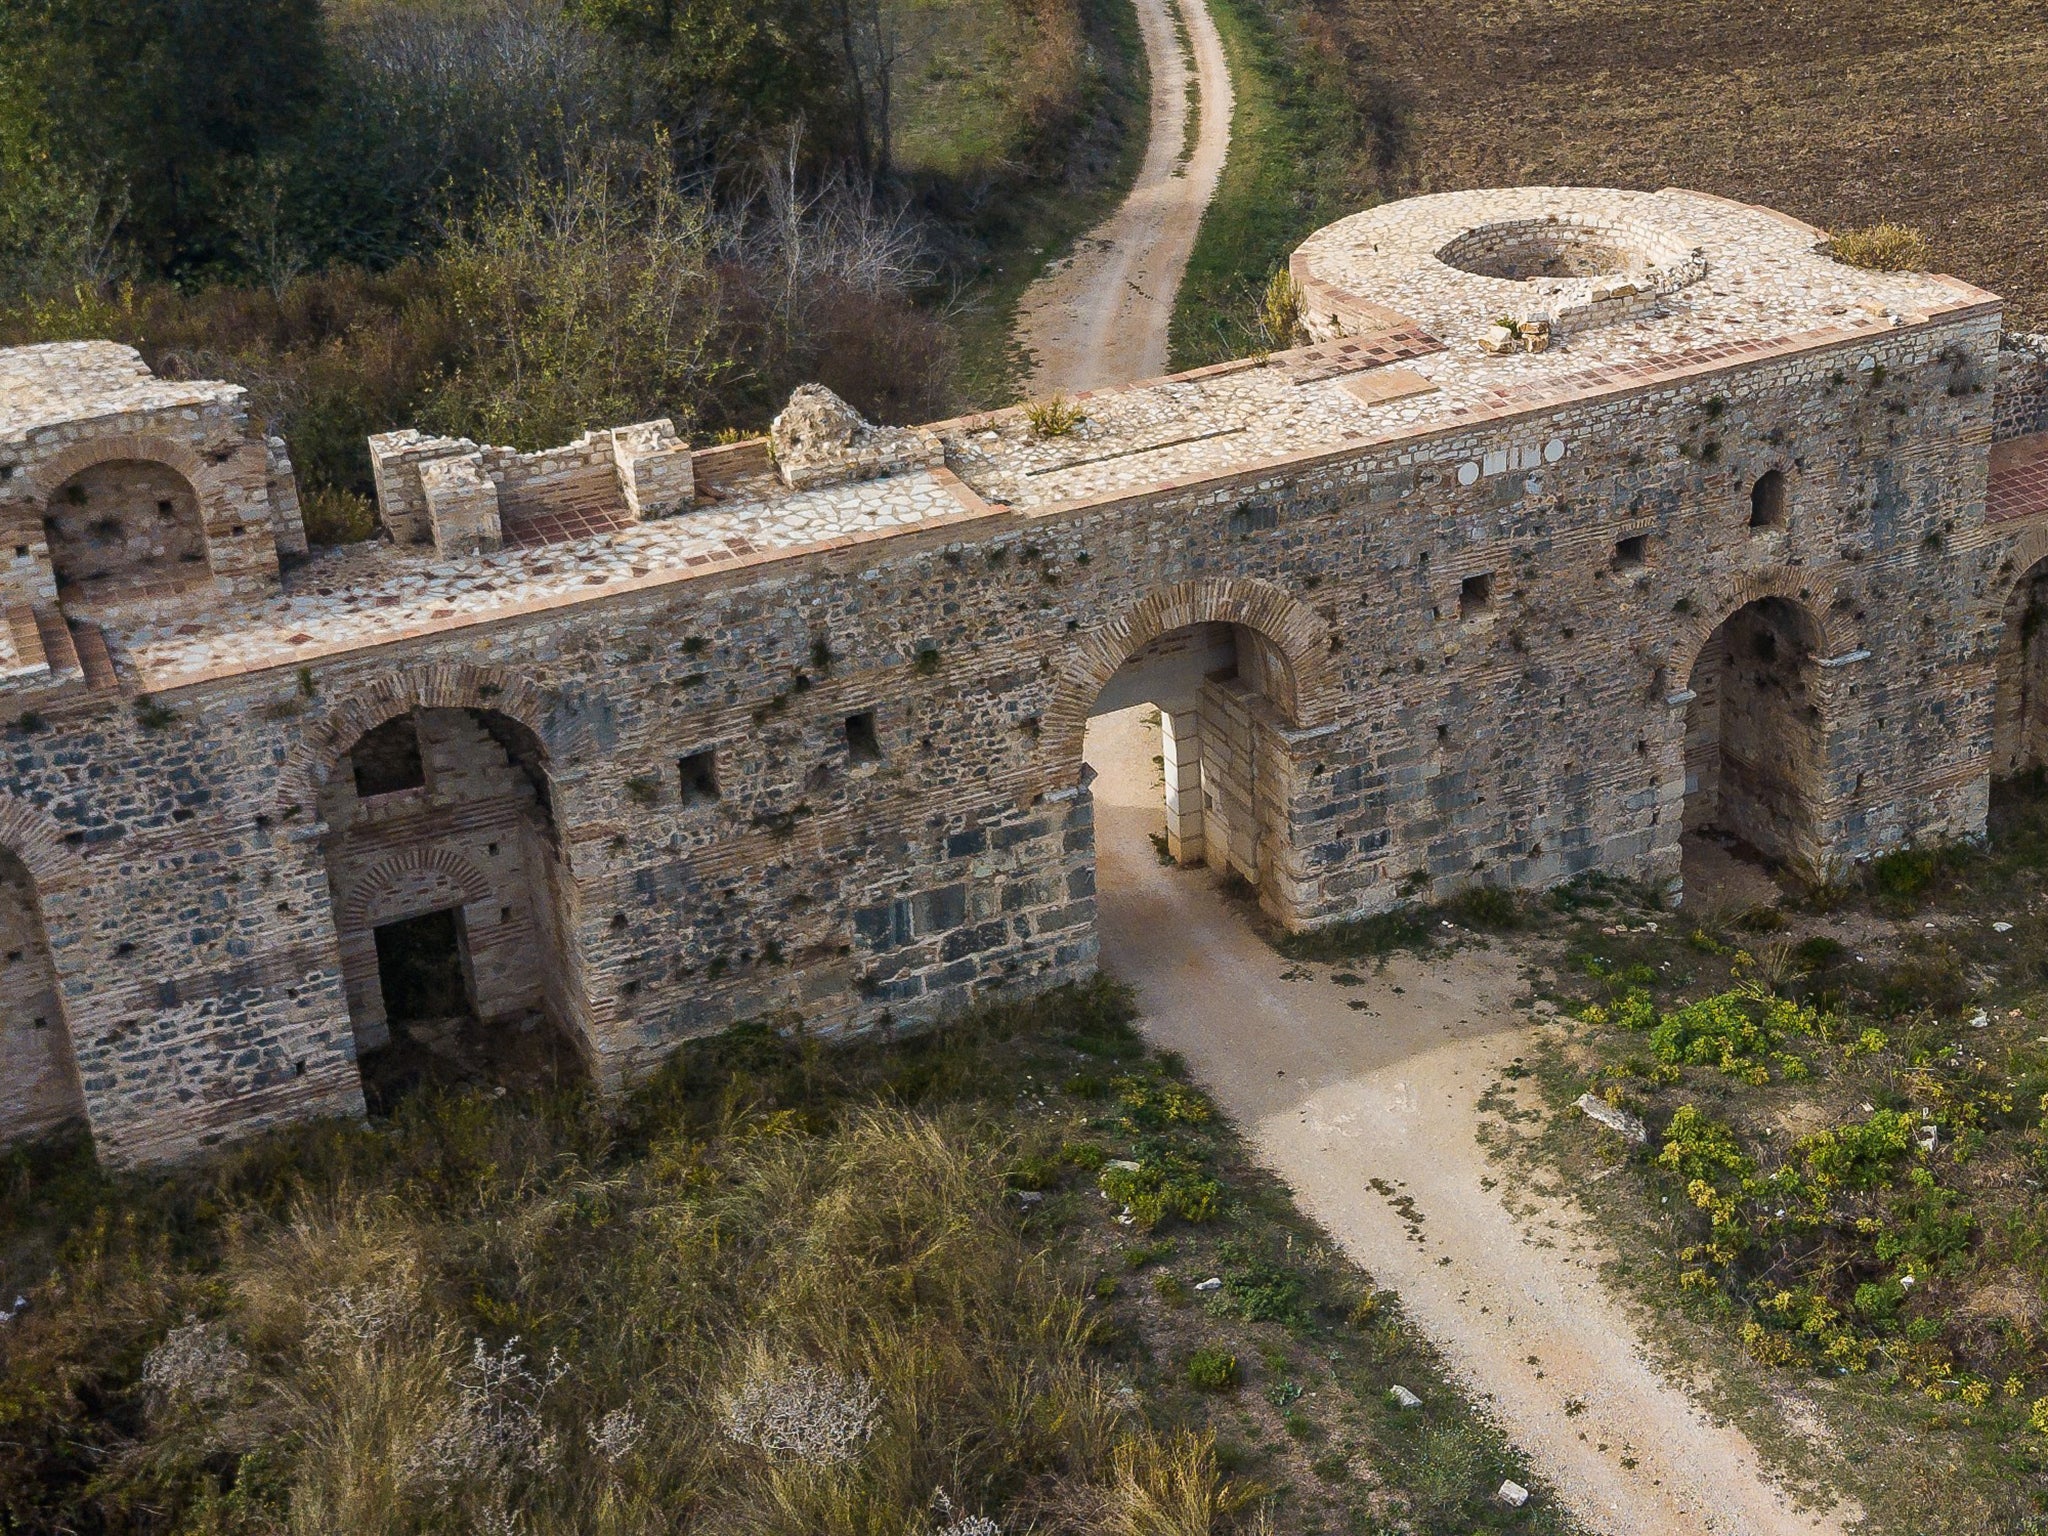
x=1338, y=1085
x=1099, y=316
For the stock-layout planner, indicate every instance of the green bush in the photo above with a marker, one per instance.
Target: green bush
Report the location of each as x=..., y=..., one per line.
x=1212, y=1370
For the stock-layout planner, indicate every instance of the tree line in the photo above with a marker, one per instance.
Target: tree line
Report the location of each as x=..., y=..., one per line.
x=507, y=218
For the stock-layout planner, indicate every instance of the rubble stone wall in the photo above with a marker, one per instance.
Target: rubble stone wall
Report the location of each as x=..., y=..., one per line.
x=2022, y=387
x=38, y=1084
x=1508, y=650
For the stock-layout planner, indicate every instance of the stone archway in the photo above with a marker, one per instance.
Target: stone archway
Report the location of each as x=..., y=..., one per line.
x=127, y=517
x=1753, y=747
x=328, y=737
x=1226, y=673
x=1295, y=634
x=39, y=1081
x=2019, y=731
x=443, y=855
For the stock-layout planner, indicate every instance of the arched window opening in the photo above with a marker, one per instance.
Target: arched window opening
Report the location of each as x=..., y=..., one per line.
x=1768, y=500
x=2019, y=734
x=123, y=529
x=451, y=904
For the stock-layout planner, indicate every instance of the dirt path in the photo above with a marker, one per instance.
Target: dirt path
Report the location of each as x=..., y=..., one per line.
x=1340, y=1085
x=1099, y=316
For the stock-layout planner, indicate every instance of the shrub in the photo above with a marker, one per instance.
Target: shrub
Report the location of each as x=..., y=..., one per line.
x=1280, y=311
x=1901, y=878
x=1163, y=1186
x=1485, y=907
x=1883, y=247
x=1055, y=417
x=1261, y=1291
x=336, y=516
x=1212, y=1370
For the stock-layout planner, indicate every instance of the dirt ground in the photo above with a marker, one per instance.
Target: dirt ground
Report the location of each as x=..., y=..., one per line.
x=1099, y=316
x=1368, y=1091
x=1840, y=112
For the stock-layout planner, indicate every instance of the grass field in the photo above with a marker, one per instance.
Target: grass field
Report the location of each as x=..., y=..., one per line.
x=1839, y=1206
x=1838, y=111
x=1012, y=1276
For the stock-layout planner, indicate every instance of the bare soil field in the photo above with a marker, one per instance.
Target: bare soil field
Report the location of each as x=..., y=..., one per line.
x=1838, y=111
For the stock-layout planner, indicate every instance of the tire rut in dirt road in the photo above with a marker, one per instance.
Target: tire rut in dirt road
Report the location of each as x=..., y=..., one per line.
x=1342, y=1088
x=1100, y=315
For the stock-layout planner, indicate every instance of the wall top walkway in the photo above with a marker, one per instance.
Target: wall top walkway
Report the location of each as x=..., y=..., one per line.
x=1611, y=293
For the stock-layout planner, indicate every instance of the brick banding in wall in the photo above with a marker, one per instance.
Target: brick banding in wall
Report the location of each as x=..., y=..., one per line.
x=327, y=737
x=699, y=736
x=35, y=838
x=1313, y=691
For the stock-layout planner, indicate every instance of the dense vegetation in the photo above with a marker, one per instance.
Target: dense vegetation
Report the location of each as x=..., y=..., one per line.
x=1012, y=1276
x=515, y=219
x=1846, y=1095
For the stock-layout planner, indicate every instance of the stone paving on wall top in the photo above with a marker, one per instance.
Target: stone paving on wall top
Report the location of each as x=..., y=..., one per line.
x=1762, y=287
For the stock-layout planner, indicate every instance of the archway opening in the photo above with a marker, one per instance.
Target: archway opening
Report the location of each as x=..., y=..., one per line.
x=452, y=905
x=1753, y=743
x=1183, y=755
x=125, y=529
x=2019, y=729
x=39, y=1086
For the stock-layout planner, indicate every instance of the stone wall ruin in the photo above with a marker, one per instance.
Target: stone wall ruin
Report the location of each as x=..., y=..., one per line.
x=628, y=740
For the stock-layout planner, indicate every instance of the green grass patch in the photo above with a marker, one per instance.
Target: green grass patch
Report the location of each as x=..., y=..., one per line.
x=1294, y=143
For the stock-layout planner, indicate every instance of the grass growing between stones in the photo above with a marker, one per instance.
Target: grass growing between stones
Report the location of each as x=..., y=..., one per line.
x=1016, y=1270
x=1839, y=1205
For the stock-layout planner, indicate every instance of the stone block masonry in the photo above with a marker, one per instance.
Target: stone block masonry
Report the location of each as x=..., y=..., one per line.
x=794, y=727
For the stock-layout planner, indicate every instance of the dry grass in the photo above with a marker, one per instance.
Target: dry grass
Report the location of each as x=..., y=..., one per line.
x=1883, y=247
x=788, y=1290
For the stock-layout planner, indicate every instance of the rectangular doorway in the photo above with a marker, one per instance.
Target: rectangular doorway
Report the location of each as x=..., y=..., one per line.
x=423, y=968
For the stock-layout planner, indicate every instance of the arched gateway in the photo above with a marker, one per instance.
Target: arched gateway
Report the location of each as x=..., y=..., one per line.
x=632, y=740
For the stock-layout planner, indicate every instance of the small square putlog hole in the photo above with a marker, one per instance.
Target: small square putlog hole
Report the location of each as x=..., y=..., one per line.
x=699, y=776
x=862, y=744
x=1475, y=596
x=1632, y=553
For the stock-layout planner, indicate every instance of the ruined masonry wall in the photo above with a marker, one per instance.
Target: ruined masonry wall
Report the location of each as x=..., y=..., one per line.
x=200, y=965
x=38, y=1086
x=2022, y=387
x=472, y=838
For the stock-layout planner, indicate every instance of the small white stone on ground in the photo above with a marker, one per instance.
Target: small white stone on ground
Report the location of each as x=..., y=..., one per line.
x=1403, y=1398
x=2001, y=927
x=1213, y=1283
x=1513, y=1494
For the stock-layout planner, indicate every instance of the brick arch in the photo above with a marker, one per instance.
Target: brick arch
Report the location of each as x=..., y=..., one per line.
x=353, y=916
x=452, y=685
x=1297, y=631
x=1796, y=587
x=28, y=832
x=2026, y=552
x=48, y=477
